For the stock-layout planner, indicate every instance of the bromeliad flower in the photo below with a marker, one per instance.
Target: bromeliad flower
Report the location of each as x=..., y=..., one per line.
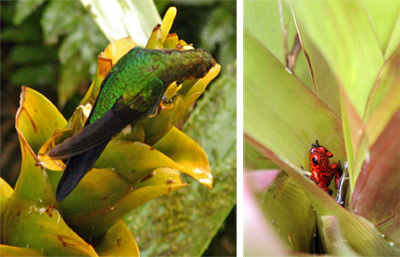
x=141, y=163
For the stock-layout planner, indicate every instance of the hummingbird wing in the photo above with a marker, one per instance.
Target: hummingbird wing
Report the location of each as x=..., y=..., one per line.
x=123, y=112
x=93, y=134
x=84, y=148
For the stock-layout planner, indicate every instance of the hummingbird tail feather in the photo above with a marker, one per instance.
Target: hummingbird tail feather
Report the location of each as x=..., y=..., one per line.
x=76, y=168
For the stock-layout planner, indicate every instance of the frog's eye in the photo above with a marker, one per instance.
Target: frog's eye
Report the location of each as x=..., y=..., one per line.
x=314, y=160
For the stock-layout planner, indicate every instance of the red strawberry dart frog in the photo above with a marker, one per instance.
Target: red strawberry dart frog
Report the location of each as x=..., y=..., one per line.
x=321, y=171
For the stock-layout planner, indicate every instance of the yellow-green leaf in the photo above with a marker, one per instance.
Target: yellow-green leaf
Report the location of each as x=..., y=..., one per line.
x=344, y=35
x=270, y=22
x=383, y=16
x=103, y=197
x=118, y=241
x=32, y=219
x=37, y=118
x=359, y=233
x=384, y=100
x=7, y=250
x=279, y=202
x=5, y=193
x=324, y=81
x=282, y=113
x=195, y=91
x=38, y=226
x=331, y=235
x=133, y=160
x=188, y=154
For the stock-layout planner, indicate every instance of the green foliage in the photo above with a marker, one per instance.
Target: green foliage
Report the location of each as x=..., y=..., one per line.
x=24, y=54
x=65, y=26
x=26, y=61
x=81, y=42
x=42, y=75
x=24, y=9
x=219, y=32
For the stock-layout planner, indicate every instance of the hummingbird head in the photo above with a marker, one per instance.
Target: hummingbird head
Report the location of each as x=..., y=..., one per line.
x=183, y=65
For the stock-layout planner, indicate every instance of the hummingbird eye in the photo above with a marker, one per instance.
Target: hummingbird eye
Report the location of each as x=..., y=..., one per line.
x=314, y=160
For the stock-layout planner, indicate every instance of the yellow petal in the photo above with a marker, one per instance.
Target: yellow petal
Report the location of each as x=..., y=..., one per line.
x=155, y=40
x=118, y=48
x=167, y=22
x=171, y=42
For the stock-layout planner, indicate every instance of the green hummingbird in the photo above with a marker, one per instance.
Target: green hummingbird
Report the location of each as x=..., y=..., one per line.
x=132, y=90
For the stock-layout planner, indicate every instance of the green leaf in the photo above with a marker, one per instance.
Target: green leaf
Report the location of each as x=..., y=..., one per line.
x=267, y=23
x=387, y=83
x=382, y=106
x=31, y=224
x=331, y=234
x=21, y=54
x=28, y=75
x=118, y=241
x=33, y=118
x=352, y=125
x=394, y=41
x=7, y=250
x=175, y=145
x=220, y=32
x=32, y=216
x=357, y=59
x=71, y=75
x=279, y=202
x=383, y=16
x=91, y=210
x=24, y=33
x=51, y=29
x=24, y=9
x=254, y=160
x=5, y=194
x=359, y=233
x=325, y=84
x=79, y=48
x=281, y=112
x=381, y=117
